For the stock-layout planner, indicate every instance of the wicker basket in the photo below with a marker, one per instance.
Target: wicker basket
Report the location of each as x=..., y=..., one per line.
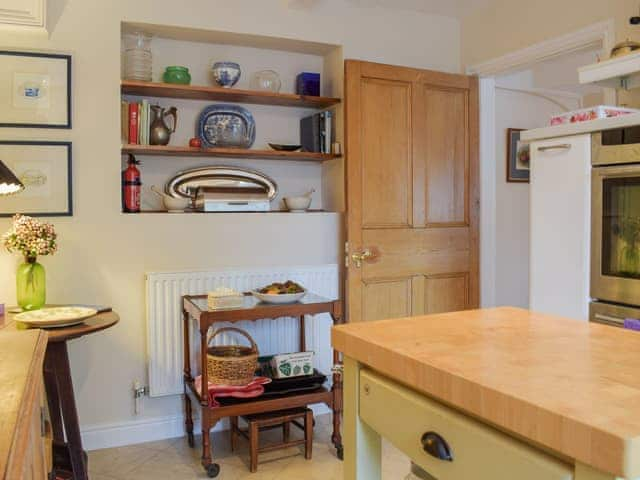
x=231, y=364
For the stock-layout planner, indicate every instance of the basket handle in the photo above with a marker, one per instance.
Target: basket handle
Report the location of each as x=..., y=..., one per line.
x=211, y=336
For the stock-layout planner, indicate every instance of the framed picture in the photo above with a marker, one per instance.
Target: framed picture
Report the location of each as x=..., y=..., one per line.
x=35, y=90
x=517, y=157
x=45, y=170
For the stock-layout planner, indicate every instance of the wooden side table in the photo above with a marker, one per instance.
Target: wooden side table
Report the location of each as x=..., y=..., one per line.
x=67, y=455
x=197, y=315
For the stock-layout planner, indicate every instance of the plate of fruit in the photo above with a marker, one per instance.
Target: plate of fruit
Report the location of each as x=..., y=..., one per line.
x=287, y=292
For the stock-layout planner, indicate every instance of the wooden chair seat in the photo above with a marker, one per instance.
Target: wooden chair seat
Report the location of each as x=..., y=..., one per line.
x=302, y=418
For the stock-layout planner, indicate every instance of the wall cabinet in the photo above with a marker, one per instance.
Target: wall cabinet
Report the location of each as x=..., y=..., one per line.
x=23, y=13
x=560, y=224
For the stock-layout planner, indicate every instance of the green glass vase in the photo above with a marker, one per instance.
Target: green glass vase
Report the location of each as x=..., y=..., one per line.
x=31, y=285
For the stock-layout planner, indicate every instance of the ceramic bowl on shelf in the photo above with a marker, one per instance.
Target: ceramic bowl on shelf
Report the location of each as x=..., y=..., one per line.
x=299, y=203
x=281, y=147
x=266, y=80
x=177, y=74
x=226, y=74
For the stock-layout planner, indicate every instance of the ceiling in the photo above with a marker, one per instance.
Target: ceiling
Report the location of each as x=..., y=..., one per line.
x=449, y=8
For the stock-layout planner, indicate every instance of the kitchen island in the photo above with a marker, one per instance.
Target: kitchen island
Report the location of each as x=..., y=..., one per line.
x=492, y=394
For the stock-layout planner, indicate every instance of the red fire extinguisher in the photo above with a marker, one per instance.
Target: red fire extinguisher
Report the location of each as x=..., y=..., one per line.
x=131, y=185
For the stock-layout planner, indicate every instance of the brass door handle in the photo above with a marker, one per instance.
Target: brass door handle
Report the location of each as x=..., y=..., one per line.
x=359, y=257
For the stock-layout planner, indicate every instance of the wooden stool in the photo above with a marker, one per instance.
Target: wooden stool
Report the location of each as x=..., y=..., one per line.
x=266, y=421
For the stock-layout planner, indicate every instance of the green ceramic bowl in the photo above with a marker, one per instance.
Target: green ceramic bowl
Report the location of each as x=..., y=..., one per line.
x=175, y=74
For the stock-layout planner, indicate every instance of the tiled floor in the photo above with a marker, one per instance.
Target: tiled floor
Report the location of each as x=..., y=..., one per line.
x=173, y=459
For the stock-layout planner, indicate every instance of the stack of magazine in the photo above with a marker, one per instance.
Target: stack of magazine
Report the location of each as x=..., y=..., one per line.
x=316, y=132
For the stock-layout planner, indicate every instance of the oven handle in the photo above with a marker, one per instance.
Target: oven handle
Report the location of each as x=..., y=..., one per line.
x=609, y=318
x=560, y=146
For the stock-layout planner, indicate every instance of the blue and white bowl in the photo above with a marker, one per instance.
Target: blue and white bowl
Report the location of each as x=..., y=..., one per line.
x=226, y=74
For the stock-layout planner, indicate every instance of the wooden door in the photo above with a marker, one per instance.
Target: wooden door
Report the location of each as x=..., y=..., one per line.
x=412, y=191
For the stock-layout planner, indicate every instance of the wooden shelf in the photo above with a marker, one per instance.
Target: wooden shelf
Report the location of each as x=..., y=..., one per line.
x=618, y=72
x=169, y=151
x=195, y=212
x=196, y=92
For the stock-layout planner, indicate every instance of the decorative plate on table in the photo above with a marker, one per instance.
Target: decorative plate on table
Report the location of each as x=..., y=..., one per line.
x=56, y=316
x=223, y=125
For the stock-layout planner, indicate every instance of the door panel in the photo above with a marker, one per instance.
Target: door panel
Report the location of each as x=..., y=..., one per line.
x=387, y=299
x=386, y=160
x=446, y=156
x=416, y=251
x=447, y=293
x=412, y=196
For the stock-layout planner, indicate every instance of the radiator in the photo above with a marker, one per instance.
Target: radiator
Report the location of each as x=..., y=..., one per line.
x=164, y=317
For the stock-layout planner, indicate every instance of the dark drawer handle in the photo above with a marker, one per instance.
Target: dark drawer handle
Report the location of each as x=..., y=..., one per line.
x=436, y=446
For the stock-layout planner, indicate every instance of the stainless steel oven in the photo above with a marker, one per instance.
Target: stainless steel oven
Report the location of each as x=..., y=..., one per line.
x=615, y=218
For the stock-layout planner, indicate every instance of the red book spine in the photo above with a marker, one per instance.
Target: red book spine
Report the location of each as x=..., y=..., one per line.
x=133, y=123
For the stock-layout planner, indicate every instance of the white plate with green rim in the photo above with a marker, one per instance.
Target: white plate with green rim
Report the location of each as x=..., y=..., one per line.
x=56, y=316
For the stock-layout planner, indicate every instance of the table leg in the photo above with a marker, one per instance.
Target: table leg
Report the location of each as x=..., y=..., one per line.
x=337, y=389
x=363, y=452
x=53, y=402
x=208, y=421
x=188, y=420
x=303, y=335
x=57, y=361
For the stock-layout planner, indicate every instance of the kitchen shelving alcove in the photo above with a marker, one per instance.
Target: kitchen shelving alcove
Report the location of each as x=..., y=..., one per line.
x=277, y=114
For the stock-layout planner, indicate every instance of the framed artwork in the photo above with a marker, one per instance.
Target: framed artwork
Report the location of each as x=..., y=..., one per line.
x=35, y=90
x=518, y=154
x=45, y=170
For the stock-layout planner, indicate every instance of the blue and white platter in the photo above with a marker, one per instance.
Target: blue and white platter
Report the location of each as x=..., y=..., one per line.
x=224, y=125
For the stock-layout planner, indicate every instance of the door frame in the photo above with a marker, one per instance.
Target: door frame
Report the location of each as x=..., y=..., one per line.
x=599, y=35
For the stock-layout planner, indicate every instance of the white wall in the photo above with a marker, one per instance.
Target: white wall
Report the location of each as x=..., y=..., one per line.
x=516, y=110
x=103, y=253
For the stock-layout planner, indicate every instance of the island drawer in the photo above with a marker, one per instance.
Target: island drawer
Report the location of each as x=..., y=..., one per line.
x=415, y=424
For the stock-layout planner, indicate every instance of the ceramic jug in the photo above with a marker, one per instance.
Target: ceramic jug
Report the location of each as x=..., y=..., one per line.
x=160, y=133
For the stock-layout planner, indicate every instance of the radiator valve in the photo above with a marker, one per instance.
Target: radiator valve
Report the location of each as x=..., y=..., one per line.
x=139, y=391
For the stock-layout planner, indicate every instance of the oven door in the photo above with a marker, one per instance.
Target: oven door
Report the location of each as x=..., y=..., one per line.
x=611, y=314
x=615, y=234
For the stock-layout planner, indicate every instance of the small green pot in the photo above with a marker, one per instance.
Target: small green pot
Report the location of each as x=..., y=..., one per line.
x=179, y=75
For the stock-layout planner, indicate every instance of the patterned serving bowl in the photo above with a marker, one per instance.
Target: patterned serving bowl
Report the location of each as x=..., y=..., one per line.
x=226, y=74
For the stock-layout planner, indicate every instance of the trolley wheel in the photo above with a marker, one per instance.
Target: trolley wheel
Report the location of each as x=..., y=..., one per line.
x=340, y=452
x=213, y=469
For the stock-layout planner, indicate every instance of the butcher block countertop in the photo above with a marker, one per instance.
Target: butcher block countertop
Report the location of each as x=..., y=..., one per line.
x=566, y=385
x=21, y=359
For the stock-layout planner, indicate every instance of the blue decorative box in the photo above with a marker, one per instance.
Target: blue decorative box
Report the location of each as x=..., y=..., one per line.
x=308, y=83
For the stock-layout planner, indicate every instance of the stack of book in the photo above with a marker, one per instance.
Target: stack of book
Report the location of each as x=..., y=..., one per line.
x=316, y=132
x=136, y=122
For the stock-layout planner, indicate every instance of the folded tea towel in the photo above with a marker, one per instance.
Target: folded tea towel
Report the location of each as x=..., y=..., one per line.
x=253, y=389
x=632, y=323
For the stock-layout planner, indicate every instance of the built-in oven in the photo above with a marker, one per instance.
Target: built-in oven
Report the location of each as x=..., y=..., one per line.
x=615, y=224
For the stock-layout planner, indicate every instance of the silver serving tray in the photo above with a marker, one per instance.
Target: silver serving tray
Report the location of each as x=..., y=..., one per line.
x=238, y=181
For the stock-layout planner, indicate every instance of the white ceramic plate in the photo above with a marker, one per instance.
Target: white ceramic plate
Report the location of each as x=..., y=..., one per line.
x=56, y=316
x=278, y=299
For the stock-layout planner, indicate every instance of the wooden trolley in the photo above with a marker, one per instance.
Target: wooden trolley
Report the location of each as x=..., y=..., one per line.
x=197, y=315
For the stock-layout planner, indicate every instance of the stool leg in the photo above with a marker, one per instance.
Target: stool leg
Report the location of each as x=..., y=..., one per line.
x=233, y=432
x=253, y=445
x=308, y=434
x=286, y=431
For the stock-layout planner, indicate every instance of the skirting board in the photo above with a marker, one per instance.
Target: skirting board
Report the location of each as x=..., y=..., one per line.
x=96, y=437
